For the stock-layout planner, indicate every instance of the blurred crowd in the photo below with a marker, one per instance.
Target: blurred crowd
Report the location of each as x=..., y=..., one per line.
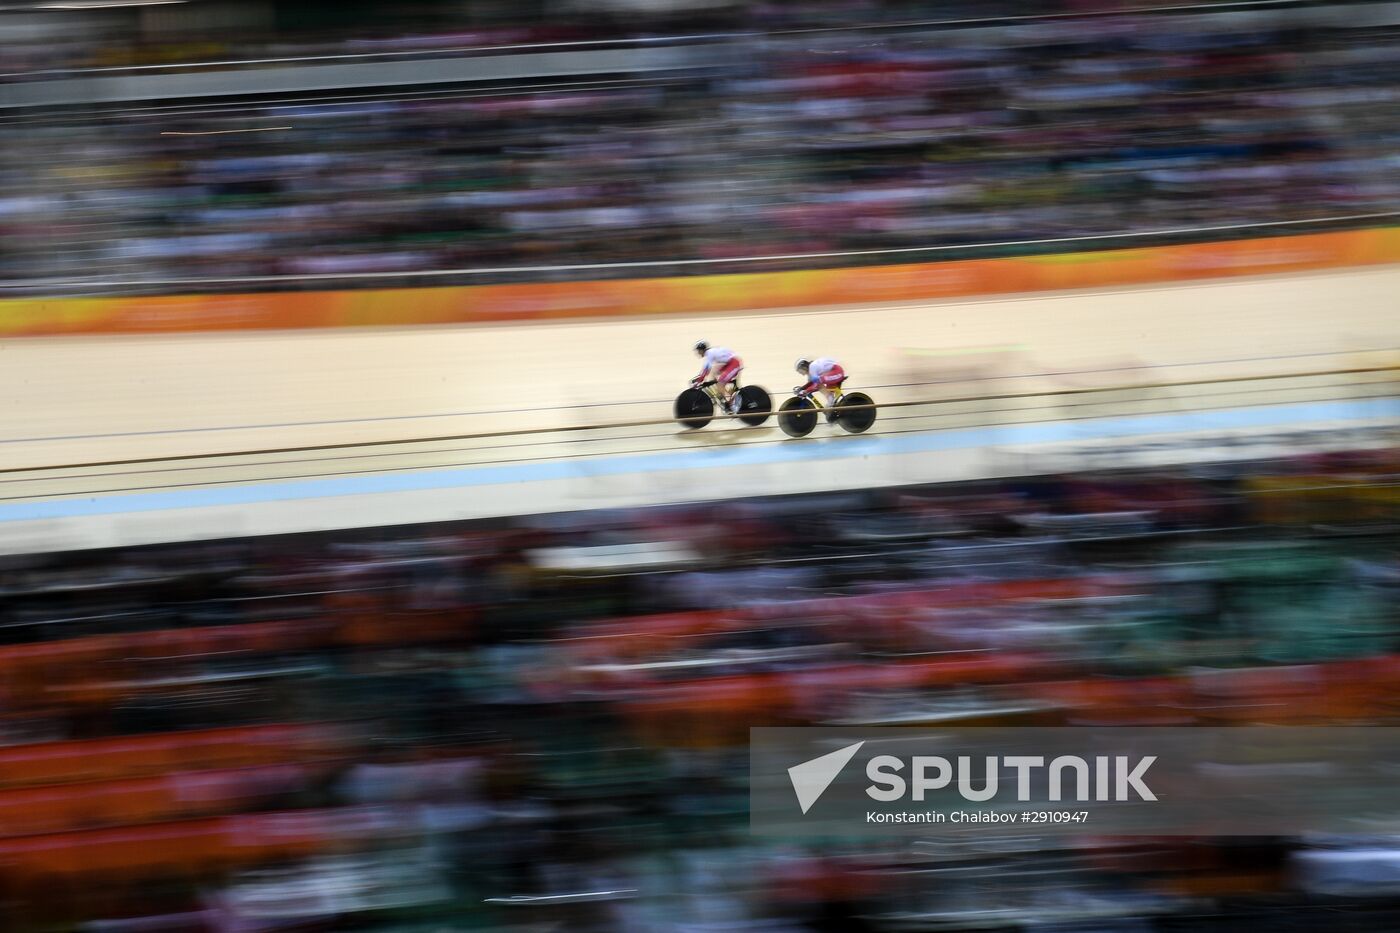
x=272, y=31
x=829, y=140
x=542, y=723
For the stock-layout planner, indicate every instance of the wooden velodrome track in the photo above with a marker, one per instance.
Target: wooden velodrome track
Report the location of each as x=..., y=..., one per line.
x=75, y=400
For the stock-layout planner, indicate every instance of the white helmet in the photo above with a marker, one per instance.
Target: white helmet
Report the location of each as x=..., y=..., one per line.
x=803, y=365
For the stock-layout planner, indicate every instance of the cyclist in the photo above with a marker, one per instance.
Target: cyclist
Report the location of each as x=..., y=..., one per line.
x=824, y=375
x=720, y=367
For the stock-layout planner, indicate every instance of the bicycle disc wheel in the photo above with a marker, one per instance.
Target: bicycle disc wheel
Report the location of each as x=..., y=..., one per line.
x=797, y=417
x=857, y=421
x=694, y=409
x=754, y=405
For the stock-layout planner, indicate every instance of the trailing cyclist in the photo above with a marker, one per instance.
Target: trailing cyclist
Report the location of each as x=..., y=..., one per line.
x=825, y=375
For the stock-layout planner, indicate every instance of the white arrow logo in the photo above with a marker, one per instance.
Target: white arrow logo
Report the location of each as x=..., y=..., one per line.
x=811, y=778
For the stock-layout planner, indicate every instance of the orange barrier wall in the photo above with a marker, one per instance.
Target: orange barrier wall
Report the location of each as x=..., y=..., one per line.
x=690, y=294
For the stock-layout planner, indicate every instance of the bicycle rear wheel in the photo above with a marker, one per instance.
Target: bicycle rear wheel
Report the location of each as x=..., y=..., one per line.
x=858, y=421
x=754, y=405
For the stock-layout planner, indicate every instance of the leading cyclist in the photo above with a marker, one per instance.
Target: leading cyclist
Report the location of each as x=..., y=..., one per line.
x=825, y=375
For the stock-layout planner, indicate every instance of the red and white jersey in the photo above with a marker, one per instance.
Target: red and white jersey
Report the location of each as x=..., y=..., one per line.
x=822, y=367
x=717, y=356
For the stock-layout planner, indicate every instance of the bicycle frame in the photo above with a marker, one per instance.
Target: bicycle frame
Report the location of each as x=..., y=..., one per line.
x=815, y=396
x=712, y=390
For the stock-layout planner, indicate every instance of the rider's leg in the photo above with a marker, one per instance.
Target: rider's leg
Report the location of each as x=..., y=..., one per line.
x=721, y=383
x=729, y=383
x=833, y=395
